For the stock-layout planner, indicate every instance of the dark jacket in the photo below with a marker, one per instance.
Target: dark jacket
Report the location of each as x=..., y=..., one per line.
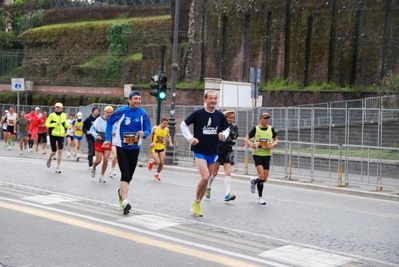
x=87, y=125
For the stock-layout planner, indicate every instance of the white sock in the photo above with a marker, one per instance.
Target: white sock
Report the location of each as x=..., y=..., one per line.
x=210, y=181
x=227, y=182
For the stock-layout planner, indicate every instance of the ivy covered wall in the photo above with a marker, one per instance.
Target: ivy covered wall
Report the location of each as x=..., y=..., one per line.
x=349, y=42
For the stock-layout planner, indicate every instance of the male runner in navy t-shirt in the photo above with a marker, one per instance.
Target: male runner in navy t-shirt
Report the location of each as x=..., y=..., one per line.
x=210, y=126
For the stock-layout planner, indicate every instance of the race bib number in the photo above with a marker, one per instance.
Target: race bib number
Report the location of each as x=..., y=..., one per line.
x=160, y=140
x=263, y=142
x=130, y=139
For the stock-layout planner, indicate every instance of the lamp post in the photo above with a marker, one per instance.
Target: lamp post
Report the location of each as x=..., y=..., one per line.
x=175, y=66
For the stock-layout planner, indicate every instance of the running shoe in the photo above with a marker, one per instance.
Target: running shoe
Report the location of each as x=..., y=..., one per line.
x=57, y=170
x=30, y=150
x=101, y=180
x=126, y=208
x=196, y=209
x=44, y=152
x=9, y=148
x=68, y=155
x=120, y=197
x=208, y=193
x=150, y=164
x=20, y=153
x=261, y=201
x=253, y=183
x=93, y=172
x=156, y=176
x=48, y=163
x=229, y=197
x=113, y=173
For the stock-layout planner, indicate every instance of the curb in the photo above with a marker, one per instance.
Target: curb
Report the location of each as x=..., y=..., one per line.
x=304, y=185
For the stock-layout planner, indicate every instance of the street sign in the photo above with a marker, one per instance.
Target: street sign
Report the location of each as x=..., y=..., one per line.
x=18, y=84
x=254, y=79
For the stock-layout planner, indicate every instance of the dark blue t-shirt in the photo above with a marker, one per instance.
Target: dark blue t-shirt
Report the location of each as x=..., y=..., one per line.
x=207, y=126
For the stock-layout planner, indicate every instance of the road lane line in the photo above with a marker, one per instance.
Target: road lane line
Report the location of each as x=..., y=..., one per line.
x=180, y=249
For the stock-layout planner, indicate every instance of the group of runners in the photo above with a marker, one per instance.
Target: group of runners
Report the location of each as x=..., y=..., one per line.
x=28, y=129
x=122, y=131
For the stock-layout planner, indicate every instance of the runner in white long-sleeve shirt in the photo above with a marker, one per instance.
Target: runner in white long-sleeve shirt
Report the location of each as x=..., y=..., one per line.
x=98, y=130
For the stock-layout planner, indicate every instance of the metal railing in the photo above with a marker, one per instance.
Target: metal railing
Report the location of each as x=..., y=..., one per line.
x=311, y=140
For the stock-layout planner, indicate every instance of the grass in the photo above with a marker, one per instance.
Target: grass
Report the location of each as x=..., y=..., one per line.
x=385, y=154
x=97, y=22
x=280, y=84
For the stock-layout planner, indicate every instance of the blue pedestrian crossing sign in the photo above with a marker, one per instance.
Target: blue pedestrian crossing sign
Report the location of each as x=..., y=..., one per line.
x=18, y=84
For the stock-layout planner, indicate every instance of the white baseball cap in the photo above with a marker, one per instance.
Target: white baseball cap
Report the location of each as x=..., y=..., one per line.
x=37, y=108
x=6, y=111
x=79, y=115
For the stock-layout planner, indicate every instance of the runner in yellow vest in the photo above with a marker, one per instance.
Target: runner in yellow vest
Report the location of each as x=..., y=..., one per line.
x=265, y=139
x=77, y=134
x=159, y=135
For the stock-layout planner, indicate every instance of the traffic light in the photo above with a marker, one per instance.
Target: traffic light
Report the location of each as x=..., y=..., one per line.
x=161, y=86
x=155, y=86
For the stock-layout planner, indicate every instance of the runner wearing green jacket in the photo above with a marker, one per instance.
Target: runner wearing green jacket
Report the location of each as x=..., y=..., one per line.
x=56, y=124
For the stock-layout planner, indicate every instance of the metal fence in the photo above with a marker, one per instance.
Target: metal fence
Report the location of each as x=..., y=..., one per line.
x=357, y=145
x=91, y=3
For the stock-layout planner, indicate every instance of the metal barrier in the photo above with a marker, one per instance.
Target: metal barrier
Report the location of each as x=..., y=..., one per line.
x=371, y=165
x=313, y=162
x=314, y=142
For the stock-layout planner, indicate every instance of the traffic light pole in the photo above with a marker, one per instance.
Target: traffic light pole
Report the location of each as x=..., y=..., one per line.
x=172, y=122
x=159, y=112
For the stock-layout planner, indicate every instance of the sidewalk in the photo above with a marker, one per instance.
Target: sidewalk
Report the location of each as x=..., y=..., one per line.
x=327, y=186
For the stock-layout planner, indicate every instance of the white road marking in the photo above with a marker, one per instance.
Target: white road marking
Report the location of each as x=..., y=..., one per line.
x=305, y=257
x=49, y=199
x=153, y=222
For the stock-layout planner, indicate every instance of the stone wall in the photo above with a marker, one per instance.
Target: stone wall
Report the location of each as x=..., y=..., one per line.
x=348, y=42
x=188, y=97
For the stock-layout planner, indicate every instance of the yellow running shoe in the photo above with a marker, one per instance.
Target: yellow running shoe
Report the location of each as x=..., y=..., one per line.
x=196, y=210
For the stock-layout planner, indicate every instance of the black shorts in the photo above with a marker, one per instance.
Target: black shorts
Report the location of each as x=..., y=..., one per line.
x=262, y=160
x=10, y=129
x=54, y=140
x=159, y=150
x=225, y=155
x=69, y=136
x=42, y=138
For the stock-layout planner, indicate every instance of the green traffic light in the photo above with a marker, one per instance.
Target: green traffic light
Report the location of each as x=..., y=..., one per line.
x=162, y=95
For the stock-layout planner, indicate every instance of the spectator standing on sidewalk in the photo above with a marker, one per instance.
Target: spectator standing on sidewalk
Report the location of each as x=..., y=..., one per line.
x=57, y=124
x=265, y=139
x=208, y=126
x=86, y=130
x=134, y=126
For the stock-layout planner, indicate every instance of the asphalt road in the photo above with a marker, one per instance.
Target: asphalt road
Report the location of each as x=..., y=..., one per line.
x=70, y=219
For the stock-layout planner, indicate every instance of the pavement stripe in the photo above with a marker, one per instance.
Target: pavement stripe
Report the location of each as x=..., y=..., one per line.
x=152, y=222
x=305, y=257
x=49, y=199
